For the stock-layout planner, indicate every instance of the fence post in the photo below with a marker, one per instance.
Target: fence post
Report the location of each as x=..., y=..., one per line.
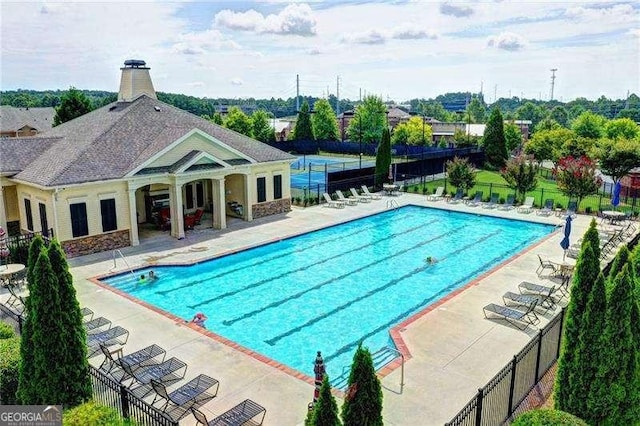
x=538, y=354
x=490, y=189
x=20, y=324
x=562, y=312
x=124, y=399
x=514, y=362
x=541, y=197
x=479, y=407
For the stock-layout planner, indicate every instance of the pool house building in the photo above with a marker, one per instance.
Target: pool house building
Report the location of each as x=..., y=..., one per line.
x=94, y=179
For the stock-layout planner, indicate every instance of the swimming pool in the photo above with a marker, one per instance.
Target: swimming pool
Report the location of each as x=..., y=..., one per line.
x=328, y=290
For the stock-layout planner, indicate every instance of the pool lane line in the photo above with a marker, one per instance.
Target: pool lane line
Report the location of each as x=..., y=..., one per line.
x=370, y=293
x=302, y=268
x=443, y=292
x=329, y=281
x=269, y=259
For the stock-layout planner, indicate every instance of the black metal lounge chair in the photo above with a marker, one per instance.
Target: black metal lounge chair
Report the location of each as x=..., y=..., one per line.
x=247, y=412
x=458, y=197
x=547, y=209
x=167, y=372
x=513, y=316
x=543, y=301
x=193, y=394
x=547, y=264
x=477, y=199
x=87, y=314
x=493, y=201
x=15, y=300
x=508, y=204
x=151, y=355
x=97, y=325
x=543, y=290
x=113, y=336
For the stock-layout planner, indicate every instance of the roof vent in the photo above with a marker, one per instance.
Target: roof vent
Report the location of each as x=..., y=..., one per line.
x=157, y=108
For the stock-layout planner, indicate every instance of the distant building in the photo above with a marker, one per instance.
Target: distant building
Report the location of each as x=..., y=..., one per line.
x=20, y=122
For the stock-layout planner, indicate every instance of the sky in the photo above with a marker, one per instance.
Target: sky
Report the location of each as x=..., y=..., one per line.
x=398, y=50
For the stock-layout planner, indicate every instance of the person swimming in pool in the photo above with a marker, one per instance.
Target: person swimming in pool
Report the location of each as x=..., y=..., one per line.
x=152, y=276
x=199, y=319
x=431, y=260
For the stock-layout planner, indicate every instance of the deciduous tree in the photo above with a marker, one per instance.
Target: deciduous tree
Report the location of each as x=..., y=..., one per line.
x=238, y=121
x=73, y=104
x=577, y=177
x=383, y=158
x=368, y=121
x=560, y=115
x=324, y=121
x=520, y=174
x=618, y=157
x=460, y=173
x=589, y=125
x=546, y=145
x=412, y=132
x=363, y=403
x=260, y=127
x=512, y=137
x=495, y=149
x=532, y=112
x=621, y=128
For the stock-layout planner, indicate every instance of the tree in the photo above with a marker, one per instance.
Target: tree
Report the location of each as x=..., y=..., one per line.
x=216, y=118
x=495, y=149
x=369, y=120
x=614, y=397
x=547, y=124
x=532, y=112
x=324, y=122
x=560, y=115
x=363, y=403
x=325, y=411
x=621, y=259
x=383, y=158
x=577, y=177
x=617, y=158
x=592, y=236
x=73, y=104
x=520, y=174
x=547, y=144
x=577, y=146
x=412, y=132
x=586, y=272
x=512, y=137
x=73, y=366
x=435, y=110
x=261, y=129
x=303, y=130
x=621, y=128
x=589, y=125
x=238, y=121
x=476, y=111
x=461, y=173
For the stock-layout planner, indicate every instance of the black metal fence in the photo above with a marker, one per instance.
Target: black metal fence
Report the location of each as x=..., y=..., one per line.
x=18, y=245
x=11, y=317
x=499, y=400
x=107, y=391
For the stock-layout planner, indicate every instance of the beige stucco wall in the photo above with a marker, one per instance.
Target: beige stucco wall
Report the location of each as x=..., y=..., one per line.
x=11, y=203
x=194, y=142
x=268, y=171
x=36, y=196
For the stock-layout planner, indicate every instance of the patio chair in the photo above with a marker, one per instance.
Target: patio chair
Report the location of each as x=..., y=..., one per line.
x=543, y=301
x=86, y=313
x=477, y=199
x=151, y=355
x=547, y=264
x=513, y=316
x=333, y=203
x=436, y=196
x=97, y=325
x=113, y=336
x=508, y=204
x=543, y=290
x=197, y=216
x=193, y=394
x=373, y=195
x=398, y=191
x=493, y=201
x=167, y=372
x=15, y=300
x=189, y=221
x=247, y=412
x=547, y=209
x=527, y=206
x=458, y=197
x=348, y=201
x=572, y=209
x=360, y=198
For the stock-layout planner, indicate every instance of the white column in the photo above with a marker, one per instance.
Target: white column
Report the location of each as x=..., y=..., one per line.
x=248, y=199
x=219, y=204
x=3, y=210
x=133, y=218
x=177, y=217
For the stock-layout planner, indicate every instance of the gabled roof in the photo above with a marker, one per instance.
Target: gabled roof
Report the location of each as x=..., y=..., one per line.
x=111, y=141
x=13, y=119
x=18, y=153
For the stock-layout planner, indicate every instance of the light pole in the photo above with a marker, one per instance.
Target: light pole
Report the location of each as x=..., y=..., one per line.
x=360, y=137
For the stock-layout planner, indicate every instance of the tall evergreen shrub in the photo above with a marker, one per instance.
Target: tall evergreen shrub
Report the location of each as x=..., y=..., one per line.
x=592, y=237
x=363, y=404
x=325, y=412
x=495, y=148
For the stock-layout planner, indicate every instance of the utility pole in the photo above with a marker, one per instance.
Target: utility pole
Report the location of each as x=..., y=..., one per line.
x=297, y=93
x=481, y=84
x=495, y=93
x=553, y=81
x=361, y=94
x=338, y=95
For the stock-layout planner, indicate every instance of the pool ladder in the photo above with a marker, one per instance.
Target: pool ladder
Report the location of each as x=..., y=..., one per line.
x=114, y=254
x=392, y=204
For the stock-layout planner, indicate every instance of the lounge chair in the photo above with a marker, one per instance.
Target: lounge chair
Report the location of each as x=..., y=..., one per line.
x=15, y=300
x=508, y=204
x=436, y=196
x=543, y=290
x=547, y=264
x=458, y=197
x=113, y=336
x=544, y=301
x=360, y=198
x=86, y=313
x=513, y=316
x=247, y=412
x=167, y=372
x=374, y=196
x=151, y=355
x=493, y=201
x=572, y=209
x=97, y=325
x=333, y=203
x=527, y=206
x=197, y=216
x=348, y=201
x=193, y=394
x=547, y=209
x=477, y=200
x=398, y=191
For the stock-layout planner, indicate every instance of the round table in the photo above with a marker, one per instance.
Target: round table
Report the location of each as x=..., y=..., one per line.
x=10, y=269
x=613, y=215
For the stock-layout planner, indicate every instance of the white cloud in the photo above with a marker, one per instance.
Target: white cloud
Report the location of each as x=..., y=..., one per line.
x=412, y=32
x=368, y=37
x=455, y=10
x=401, y=32
x=295, y=19
x=202, y=42
x=237, y=81
x=196, y=84
x=506, y=41
x=616, y=13
x=635, y=32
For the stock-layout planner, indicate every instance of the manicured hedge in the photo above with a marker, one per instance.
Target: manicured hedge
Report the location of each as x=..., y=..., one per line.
x=546, y=417
x=9, y=367
x=91, y=413
x=6, y=331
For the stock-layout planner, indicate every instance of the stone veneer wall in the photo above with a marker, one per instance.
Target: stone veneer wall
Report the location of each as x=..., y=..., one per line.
x=269, y=208
x=97, y=243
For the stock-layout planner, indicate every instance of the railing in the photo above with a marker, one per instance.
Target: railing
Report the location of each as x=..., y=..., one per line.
x=388, y=349
x=116, y=252
x=14, y=318
x=18, y=245
x=500, y=399
x=107, y=391
x=392, y=204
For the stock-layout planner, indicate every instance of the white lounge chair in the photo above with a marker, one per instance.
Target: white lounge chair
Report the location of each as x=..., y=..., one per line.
x=361, y=198
x=348, y=201
x=527, y=206
x=374, y=196
x=332, y=203
x=436, y=196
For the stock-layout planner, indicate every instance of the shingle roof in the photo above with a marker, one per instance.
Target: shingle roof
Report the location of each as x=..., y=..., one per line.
x=12, y=118
x=111, y=141
x=17, y=153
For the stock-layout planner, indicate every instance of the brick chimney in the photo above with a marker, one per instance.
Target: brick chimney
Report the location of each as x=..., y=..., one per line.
x=135, y=81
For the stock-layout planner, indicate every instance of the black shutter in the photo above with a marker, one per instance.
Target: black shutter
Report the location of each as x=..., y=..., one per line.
x=44, y=224
x=277, y=187
x=262, y=189
x=29, y=214
x=108, y=210
x=79, y=225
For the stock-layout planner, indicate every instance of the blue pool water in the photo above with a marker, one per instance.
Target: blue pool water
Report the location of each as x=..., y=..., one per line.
x=328, y=290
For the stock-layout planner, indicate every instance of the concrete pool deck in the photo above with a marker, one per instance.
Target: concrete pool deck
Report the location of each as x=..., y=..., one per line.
x=453, y=349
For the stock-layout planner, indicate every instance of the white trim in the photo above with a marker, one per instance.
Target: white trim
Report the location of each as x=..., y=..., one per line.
x=77, y=200
x=199, y=157
x=107, y=195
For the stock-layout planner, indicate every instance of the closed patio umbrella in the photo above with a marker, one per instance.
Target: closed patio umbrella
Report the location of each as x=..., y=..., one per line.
x=319, y=371
x=567, y=232
x=616, y=195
